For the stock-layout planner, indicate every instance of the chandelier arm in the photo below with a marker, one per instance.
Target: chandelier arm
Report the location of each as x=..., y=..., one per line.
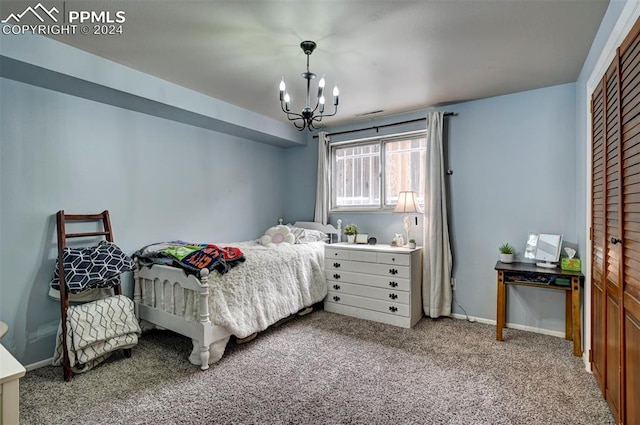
x=335, y=111
x=289, y=114
x=324, y=114
x=295, y=119
x=317, y=104
x=284, y=110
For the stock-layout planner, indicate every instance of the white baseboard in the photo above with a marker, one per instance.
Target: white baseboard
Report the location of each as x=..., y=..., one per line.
x=38, y=365
x=511, y=325
x=473, y=319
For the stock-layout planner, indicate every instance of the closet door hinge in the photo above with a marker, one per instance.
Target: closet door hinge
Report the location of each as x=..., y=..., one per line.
x=591, y=233
x=590, y=356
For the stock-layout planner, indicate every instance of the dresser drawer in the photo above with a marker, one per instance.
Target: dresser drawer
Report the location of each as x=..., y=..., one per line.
x=389, y=307
x=368, y=268
x=340, y=254
x=385, y=282
x=381, y=294
x=399, y=259
x=368, y=257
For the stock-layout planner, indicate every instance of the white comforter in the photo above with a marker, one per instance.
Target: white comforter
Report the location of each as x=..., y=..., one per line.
x=273, y=283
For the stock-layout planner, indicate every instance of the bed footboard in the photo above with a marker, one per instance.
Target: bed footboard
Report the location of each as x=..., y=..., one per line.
x=169, y=298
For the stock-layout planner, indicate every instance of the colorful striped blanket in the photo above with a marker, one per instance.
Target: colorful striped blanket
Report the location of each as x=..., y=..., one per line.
x=191, y=257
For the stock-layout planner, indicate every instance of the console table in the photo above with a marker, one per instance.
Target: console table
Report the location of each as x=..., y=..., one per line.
x=528, y=274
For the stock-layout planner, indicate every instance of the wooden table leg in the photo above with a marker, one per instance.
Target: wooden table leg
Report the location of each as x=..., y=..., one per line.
x=575, y=306
x=501, y=313
x=568, y=316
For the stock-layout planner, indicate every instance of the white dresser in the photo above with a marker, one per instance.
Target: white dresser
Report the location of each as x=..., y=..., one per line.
x=375, y=282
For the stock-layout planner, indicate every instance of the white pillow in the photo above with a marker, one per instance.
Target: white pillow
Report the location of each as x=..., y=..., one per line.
x=308, y=235
x=313, y=236
x=297, y=232
x=277, y=235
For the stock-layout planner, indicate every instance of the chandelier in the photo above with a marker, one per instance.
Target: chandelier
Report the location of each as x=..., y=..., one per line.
x=309, y=116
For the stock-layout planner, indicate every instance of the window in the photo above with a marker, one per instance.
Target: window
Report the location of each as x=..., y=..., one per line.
x=369, y=174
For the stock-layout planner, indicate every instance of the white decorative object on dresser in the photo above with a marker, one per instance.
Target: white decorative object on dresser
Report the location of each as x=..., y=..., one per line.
x=375, y=282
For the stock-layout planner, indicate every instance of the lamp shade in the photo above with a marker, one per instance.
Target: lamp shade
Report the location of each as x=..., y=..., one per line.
x=407, y=203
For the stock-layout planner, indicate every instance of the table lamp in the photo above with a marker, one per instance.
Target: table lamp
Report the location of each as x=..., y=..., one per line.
x=407, y=203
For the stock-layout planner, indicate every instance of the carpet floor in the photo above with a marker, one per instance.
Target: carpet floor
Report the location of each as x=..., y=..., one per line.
x=325, y=368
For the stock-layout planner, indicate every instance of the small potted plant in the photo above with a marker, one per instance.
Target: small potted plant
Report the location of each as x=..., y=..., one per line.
x=351, y=230
x=412, y=243
x=506, y=253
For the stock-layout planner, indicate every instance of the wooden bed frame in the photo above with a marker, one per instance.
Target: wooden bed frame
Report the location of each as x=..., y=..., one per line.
x=162, y=306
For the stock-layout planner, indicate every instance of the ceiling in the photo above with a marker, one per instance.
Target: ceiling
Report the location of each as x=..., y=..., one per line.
x=390, y=56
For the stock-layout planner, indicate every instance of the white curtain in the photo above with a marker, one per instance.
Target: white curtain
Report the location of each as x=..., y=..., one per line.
x=321, y=214
x=436, y=278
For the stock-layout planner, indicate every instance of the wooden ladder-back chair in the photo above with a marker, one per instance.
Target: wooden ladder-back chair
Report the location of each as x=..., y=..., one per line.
x=62, y=220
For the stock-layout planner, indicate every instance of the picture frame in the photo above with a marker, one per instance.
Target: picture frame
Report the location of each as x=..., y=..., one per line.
x=362, y=238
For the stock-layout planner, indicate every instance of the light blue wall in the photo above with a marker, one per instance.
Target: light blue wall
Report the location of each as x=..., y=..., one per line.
x=160, y=180
x=513, y=159
x=514, y=173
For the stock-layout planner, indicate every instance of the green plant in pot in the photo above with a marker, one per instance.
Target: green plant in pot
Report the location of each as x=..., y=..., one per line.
x=351, y=230
x=506, y=253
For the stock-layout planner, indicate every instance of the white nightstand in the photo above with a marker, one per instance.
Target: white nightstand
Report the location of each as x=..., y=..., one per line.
x=375, y=282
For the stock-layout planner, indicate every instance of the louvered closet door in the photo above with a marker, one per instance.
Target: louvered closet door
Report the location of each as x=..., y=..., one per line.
x=612, y=282
x=597, y=240
x=630, y=245
x=615, y=238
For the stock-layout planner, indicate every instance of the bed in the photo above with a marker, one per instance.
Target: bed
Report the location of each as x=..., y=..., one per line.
x=275, y=280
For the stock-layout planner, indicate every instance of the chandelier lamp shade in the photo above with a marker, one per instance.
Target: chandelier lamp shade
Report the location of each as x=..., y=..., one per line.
x=310, y=116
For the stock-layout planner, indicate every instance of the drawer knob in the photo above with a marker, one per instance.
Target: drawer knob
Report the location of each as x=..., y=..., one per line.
x=393, y=296
x=393, y=259
x=393, y=309
x=336, y=265
x=336, y=287
x=336, y=276
x=393, y=271
x=393, y=284
x=336, y=298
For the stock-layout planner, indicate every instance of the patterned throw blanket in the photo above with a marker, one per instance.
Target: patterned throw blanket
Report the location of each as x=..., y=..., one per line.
x=95, y=267
x=95, y=330
x=191, y=257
